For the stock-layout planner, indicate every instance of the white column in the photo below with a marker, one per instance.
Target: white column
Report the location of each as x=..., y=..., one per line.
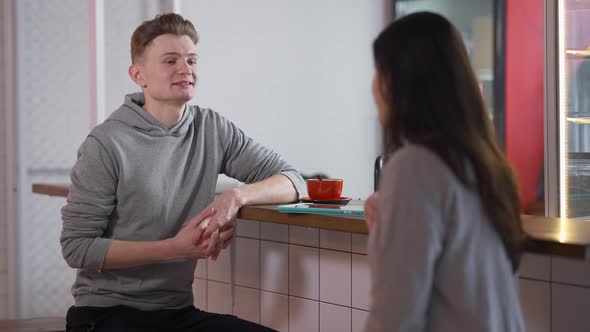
x=551, y=123
x=97, y=61
x=8, y=153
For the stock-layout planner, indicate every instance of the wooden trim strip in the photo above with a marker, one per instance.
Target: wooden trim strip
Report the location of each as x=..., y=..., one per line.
x=57, y=324
x=51, y=189
x=267, y=213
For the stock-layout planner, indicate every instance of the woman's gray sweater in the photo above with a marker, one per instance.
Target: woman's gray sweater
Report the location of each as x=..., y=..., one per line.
x=437, y=264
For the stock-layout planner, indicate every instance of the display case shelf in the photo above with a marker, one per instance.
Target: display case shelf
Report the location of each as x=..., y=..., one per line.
x=579, y=118
x=580, y=53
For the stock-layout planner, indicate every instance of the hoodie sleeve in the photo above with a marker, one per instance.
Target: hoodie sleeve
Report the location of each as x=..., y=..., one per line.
x=248, y=161
x=89, y=203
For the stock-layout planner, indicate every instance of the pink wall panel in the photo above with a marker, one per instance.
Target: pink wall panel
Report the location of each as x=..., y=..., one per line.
x=524, y=93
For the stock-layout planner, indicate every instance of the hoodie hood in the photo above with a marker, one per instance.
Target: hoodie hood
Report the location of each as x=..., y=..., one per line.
x=132, y=114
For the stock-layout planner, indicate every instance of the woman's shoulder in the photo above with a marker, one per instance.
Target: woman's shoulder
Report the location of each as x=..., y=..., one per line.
x=416, y=158
x=417, y=168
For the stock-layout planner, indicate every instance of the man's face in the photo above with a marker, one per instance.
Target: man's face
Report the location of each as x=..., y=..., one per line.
x=167, y=70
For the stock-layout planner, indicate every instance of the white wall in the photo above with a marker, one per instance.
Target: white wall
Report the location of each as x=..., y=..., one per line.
x=121, y=18
x=295, y=75
x=53, y=119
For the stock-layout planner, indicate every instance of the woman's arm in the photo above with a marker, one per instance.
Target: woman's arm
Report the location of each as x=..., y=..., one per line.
x=404, y=244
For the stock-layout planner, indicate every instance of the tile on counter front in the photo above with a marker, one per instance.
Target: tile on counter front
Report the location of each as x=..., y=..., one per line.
x=359, y=243
x=201, y=269
x=535, y=299
x=305, y=236
x=569, y=308
x=200, y=293
x=247, y=304
x=304, y=269
x=4, y=305
x=335, y=240
x=4, y=300
x=3, y=254
x=274, y=311
x=304, y=315
x=274, y=232
x=359, y=317
x=248, y=262
x=535, y=266
x=4, y=283
x=335, y=277
x=570, y=271
x=361, y=282
x=248, y=228
x=274, y=267
x=334, y=318
x=220, y=269
x=219, y=297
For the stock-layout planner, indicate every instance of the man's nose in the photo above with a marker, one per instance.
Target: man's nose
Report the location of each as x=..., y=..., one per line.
x=185, y=68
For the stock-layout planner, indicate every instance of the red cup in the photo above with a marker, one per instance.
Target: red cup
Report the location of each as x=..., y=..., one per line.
x=324, y=189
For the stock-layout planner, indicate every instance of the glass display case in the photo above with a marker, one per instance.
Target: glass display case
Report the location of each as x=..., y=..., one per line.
x=477, y=21
x=567, y=111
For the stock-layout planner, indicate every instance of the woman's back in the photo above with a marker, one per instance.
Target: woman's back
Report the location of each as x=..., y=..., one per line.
x=437, y=263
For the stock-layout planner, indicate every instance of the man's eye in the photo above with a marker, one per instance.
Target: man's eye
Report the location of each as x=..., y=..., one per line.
x=192, y=61
x=171, y=62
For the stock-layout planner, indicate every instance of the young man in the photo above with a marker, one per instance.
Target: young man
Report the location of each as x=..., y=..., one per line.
x=142, y=206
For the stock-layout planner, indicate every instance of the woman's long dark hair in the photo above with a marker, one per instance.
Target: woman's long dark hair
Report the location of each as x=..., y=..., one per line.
x=434, y=100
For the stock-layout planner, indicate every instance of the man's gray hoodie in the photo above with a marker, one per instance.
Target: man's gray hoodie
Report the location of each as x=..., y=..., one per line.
x=137, y=180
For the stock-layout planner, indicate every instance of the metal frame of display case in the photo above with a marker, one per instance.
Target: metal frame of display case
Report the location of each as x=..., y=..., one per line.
x=552, y=125
x=500, y=70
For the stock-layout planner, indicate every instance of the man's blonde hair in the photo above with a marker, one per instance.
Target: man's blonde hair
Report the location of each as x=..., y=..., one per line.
x=162, y=24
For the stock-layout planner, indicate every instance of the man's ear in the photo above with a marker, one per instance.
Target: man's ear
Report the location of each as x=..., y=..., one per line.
x=135, y=73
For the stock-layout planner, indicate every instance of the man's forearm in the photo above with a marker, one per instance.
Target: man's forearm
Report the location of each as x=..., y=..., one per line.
x=274, y=190
x=124, y=254
x=186, y=244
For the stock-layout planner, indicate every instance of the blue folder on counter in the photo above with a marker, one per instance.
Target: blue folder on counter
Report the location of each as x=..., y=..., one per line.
x=315, y=208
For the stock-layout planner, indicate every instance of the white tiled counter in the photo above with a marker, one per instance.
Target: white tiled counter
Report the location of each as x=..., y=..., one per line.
x=288, y=277
x=554, y=275
x=295, y=278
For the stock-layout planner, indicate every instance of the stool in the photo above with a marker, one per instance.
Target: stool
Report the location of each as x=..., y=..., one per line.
x=50, y=324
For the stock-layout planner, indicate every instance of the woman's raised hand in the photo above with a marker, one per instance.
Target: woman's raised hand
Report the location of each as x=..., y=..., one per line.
x=371, y=211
